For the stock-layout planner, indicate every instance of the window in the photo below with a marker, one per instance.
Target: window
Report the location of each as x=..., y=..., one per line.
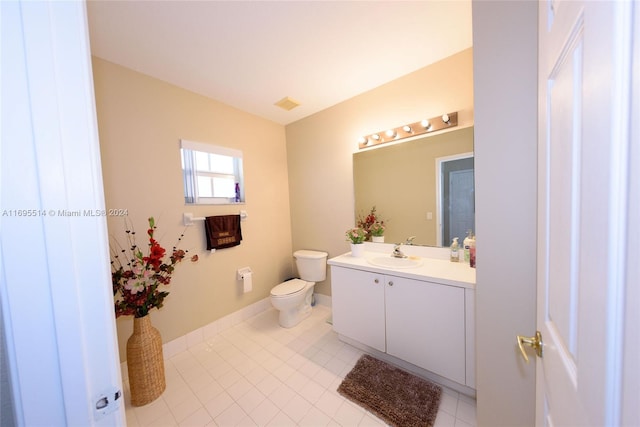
x=212, y=174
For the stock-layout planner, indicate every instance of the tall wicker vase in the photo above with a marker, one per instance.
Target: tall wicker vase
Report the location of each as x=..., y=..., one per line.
x=145, y=363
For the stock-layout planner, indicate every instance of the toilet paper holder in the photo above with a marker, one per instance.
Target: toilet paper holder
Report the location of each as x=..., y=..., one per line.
x=242, y=271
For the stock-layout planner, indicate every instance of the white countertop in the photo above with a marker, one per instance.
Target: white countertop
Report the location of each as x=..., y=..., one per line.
x=432, y=269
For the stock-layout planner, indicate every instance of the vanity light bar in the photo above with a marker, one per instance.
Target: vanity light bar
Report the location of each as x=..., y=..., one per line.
x=418, y=128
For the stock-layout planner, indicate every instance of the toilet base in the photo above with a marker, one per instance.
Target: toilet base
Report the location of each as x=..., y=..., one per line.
x=294, y=311
x=288, y=319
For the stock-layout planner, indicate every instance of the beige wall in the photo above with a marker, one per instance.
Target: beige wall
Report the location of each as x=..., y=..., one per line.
x=140, y=121
x=320, y=147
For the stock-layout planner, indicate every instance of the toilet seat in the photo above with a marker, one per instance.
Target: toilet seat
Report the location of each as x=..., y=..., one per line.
x=288, y=288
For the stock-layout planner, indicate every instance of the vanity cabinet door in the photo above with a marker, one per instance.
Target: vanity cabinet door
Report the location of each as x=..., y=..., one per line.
x=426, y=325
x=358, y=306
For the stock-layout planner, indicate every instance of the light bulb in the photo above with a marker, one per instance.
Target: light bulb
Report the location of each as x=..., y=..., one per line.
x=425, y=124
x=406, y=128
x=445, y=118
x=376, y=137
x=391, y=133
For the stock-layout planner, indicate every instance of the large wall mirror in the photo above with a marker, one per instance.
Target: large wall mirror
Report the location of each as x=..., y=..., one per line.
x=423, y=187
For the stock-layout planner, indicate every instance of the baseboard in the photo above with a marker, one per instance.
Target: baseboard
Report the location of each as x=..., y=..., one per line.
x=323, y=300
x=199, y=335
x=193, y=338
x=421, y=372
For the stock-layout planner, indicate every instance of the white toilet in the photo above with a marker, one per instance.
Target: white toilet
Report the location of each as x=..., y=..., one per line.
x=293, y=297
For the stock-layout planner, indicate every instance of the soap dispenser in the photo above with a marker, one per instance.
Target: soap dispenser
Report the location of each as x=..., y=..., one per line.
x=466, y=245
x=455, y=247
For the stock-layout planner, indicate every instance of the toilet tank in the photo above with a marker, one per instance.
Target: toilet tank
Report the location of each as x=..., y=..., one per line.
x=312, y=265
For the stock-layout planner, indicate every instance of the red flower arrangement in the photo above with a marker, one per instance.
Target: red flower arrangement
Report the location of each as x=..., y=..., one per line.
x=371, y=224
x=137, y=278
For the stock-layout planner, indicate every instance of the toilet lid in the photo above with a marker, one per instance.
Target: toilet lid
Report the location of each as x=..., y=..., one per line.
x=288, y=287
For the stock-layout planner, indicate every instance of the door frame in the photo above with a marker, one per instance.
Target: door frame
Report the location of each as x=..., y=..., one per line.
x=439, y=195
x=631, y=351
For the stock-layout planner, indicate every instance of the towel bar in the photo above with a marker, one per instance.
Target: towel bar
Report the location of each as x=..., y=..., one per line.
x=188, y=218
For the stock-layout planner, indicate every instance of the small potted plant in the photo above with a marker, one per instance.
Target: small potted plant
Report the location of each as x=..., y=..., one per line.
x=356, y=236
x=377, y=232
x=372, y=225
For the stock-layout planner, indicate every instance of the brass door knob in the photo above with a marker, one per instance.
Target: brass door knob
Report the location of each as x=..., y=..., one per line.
x=534, y=341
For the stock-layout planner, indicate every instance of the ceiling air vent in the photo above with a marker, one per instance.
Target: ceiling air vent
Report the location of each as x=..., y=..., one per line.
x=287, y=103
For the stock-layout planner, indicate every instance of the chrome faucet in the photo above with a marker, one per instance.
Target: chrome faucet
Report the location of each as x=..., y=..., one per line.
x=397, y=253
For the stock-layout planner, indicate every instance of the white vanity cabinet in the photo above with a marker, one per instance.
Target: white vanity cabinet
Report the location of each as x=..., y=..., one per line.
x=425, y=325
x=358, y=306
x=422, y=322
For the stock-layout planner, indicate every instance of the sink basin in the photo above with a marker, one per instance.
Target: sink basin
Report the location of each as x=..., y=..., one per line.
x=392, y=262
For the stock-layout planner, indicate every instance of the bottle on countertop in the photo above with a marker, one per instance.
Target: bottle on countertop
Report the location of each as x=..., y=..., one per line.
x=472, y=252
x=455, y=250
x=465, y=245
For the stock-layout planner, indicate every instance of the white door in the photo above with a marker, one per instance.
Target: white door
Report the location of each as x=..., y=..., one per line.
x=584, y=86
x=55, y=288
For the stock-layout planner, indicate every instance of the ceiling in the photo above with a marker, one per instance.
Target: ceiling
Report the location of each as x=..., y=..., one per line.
x=251, y=54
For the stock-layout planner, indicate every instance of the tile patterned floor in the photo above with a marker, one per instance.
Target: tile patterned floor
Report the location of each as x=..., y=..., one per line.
x=258, y=374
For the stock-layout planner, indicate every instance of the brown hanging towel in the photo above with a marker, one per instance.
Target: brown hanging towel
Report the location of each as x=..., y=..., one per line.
x=222, y=231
